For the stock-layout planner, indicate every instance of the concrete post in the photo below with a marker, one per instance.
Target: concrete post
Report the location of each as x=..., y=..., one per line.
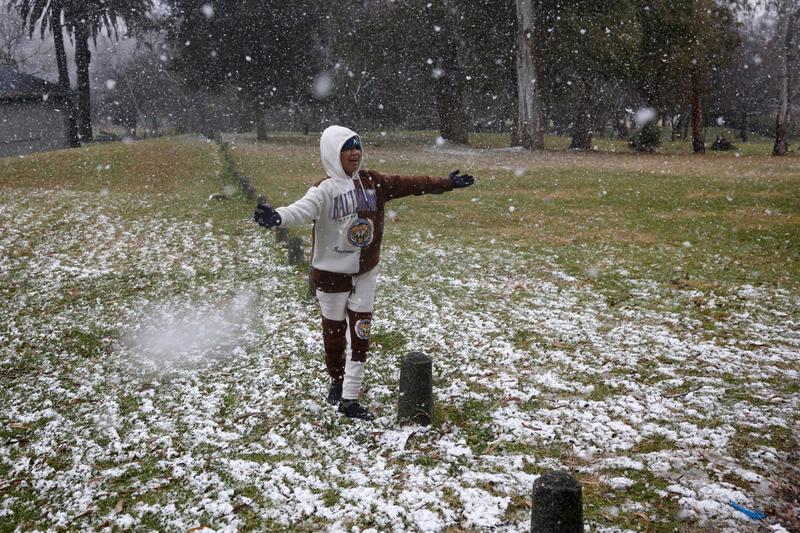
x=281, y=234
x=557, y=504
x=415, y=404
x=295, y=250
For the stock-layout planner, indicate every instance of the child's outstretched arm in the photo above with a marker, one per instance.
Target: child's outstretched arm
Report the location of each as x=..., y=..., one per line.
x=400, y=186
x=303, y=211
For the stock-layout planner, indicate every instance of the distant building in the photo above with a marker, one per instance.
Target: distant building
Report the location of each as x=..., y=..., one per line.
x=31, y=119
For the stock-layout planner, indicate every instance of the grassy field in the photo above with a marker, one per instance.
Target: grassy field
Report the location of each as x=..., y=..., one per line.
x=633, y=319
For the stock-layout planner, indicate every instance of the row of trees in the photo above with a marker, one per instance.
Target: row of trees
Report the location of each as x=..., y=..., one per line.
x=83, y=21
x=672, y=53
x=576, y=67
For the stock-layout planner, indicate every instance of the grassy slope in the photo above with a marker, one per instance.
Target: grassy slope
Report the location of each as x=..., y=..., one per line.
x=592, y=214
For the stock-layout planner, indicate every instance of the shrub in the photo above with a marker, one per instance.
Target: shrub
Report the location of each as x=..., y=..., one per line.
x=722, y=143
x=646, y=139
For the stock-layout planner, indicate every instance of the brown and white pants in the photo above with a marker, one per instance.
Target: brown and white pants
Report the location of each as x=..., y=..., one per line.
x=346, y=321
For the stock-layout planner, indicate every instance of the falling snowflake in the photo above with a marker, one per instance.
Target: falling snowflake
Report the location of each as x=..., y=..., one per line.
x=322, y=86
x=644, y=116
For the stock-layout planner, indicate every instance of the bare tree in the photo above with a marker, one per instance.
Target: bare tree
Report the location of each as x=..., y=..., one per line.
x=12, y=35
x=530, y=124
x=16, y=49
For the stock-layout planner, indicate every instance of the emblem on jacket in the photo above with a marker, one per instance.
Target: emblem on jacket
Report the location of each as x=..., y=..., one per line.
x=360, y=232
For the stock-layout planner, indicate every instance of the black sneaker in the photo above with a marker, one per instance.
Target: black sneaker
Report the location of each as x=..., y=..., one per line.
x=353, y=409
x=335, y=393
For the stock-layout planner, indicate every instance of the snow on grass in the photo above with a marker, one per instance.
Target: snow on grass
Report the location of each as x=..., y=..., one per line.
x=167, y=373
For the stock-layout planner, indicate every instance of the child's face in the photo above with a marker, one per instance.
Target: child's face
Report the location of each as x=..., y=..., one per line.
x=350, y=160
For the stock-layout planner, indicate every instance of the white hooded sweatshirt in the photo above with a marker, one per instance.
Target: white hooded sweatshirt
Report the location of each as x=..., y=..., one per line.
x=332, y=250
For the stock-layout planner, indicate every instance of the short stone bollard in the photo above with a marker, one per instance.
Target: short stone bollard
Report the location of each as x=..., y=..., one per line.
x=415, y=404
x=557, y=504
x=281, y=234
x=295, y=250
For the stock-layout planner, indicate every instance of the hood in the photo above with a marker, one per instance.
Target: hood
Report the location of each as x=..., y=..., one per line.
x=330, y=146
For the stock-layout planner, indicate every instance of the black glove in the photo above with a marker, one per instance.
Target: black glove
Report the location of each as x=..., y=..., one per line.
x=266, y=216
x=461, y=180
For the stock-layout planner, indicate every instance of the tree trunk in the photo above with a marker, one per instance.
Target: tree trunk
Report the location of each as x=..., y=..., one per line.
x=781, y=146
x=673, y=123
x=201, y=115
x=621, y=125
x=129, y=120
x=530, y=124
x=261, y=126
x=581, y=132
x=70, y=125
x=516, y=131
x=698, y=137
x=83, y=57
x=743, y=129
x=450, y=83
x=599, y=124
x=450, y=105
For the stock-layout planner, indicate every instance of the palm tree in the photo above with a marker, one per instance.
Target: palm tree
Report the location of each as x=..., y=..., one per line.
x=83, y=20
x=48, y=15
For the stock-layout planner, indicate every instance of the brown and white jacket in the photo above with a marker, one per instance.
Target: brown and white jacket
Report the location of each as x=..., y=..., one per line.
x=348, y=213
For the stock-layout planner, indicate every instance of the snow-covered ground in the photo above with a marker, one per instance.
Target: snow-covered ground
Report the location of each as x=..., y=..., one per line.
x=165, y=374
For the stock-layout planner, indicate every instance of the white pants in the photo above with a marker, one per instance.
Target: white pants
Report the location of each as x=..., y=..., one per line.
x=334, y=306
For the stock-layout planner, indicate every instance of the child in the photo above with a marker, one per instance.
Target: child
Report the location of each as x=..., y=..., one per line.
x=347, y=210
